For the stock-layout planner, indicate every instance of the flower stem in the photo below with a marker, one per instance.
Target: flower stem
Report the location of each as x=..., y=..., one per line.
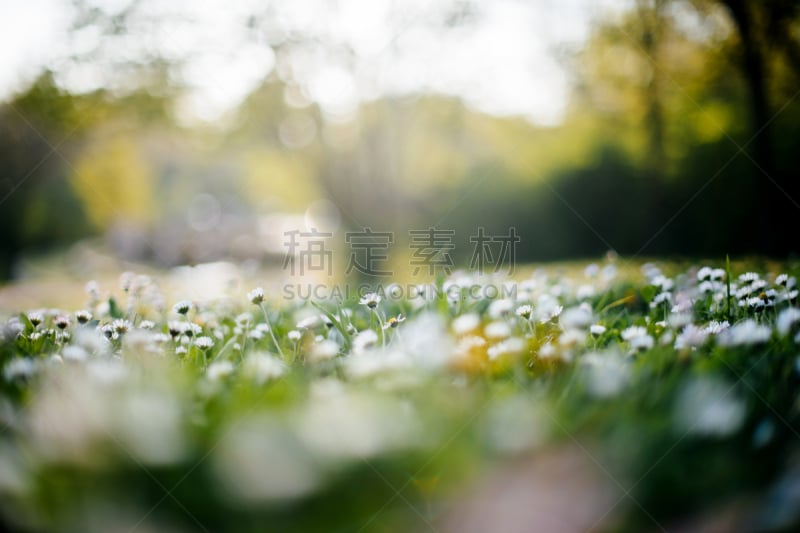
x=271, y=331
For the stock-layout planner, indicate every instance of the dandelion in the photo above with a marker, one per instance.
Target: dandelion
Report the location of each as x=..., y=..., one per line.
x=182, y=307
x=256, y=296
x=371, y=300
x=83, y=316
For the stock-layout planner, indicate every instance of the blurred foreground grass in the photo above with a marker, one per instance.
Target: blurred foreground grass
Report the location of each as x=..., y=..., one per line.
x=604, y=396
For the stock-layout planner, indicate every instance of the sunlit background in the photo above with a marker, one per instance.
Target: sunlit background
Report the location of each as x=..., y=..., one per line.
x=168, y=133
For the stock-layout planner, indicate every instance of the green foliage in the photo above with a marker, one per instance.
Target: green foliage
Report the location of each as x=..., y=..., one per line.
x=233, y=416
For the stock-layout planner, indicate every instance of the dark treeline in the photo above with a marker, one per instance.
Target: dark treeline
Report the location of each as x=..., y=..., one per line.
x=680, y=139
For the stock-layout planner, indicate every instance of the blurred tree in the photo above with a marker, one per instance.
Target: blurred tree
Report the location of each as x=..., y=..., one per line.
x=763, y=29
x=37, y=207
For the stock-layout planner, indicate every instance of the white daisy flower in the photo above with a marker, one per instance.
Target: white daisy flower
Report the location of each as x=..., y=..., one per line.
x=576, y=318
x=121, y=325
x=547, y=351
x=256, y=296
x=371, y=300
x=691, y=337
x=510, y=346
x=661, y=298
x=704, y=274
x=22, y=367
x=549, y=314
x=714, y=327
x=465, y=323
x=323, y=350
x=261, y=367
x=36, y=318
x=638, y=338
x=309, y=322
x=294, y=335
x=499, y=308
x=394, y=321
x=572, y=337
x=585, y=292
x=255, y=334
x=219, y=370
x=497, y=330
x=524, y=311
x=182, y=307
x=204, y=342
x=83, y=316
x=364, y=341
x=597, y=329
x=744, y=333
x=786, y=320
